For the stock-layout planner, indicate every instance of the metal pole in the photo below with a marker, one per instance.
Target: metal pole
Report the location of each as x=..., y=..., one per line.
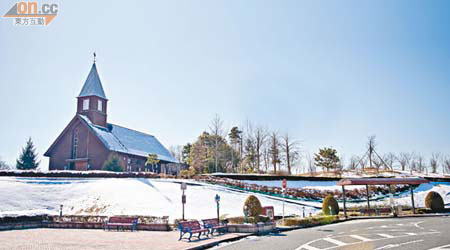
x=183, y=207
x=412, y=199
x=368, y=203
x=283, y=204
x=343, y=195
x=218, y=217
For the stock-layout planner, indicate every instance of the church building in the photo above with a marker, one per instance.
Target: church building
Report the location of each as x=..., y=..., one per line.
x=89, y=140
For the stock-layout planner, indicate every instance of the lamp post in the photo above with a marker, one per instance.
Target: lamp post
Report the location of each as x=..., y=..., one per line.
x=217, y=199
x=60, y=209
x=245, y=214
x=303, y=212
x=183, y=198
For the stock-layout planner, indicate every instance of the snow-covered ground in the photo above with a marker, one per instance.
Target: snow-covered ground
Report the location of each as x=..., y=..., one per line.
x=318, y=185
x=110, y=196
x=158, y=197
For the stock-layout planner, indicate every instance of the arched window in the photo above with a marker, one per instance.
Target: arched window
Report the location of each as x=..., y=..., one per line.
x=75, y=144
x=85, y=104
x=100, y=105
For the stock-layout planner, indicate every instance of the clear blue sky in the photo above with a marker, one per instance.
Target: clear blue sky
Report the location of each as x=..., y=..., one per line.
x=330, y=73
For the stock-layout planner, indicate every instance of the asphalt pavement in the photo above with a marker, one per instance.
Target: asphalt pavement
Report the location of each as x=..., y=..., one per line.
x=392, y=233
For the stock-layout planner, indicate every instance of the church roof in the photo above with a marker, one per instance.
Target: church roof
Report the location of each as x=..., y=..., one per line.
x=124, y=140
x=93, y=86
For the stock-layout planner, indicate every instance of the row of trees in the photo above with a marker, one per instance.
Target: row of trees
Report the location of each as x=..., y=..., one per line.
x=255, y=149
x=247, y=149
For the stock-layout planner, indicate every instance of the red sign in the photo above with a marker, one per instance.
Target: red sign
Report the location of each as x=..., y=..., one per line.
x=284, y=184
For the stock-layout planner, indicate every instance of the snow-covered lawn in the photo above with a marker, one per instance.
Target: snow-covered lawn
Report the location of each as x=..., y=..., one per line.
x=110, y=196
x=157, y=197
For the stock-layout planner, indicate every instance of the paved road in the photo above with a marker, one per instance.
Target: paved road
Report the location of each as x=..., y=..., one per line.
x=399, y=233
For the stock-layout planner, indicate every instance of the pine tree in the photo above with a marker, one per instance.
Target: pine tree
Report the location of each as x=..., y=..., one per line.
x=327, y=158
x=113, y=164
x=28, y=157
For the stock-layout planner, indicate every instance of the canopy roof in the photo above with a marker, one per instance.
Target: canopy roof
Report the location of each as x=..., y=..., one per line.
x=381, y=181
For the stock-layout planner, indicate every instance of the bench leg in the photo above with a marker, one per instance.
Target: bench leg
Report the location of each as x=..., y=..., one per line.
x=199, y=234
x=190, y=236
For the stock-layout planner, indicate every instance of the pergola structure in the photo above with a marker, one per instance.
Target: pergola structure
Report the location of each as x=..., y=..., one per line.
x=380, y=181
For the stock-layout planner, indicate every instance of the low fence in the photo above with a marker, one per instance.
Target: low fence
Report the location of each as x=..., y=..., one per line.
x=145, y=223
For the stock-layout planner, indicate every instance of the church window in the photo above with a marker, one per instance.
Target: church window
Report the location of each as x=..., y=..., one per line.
x=99, y=106
x=85, y=104
x=75, y=143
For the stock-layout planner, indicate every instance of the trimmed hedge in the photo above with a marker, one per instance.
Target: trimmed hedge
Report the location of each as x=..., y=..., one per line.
x=328, y=202
x=253, y=205
x=434, y=201
x=310, y=221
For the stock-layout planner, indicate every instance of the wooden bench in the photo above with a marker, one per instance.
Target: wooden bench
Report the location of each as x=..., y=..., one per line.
x=121, y=223
x=191, y=227
x=214, y=225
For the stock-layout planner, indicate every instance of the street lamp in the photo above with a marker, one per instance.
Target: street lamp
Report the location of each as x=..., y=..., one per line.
x=303, y=212
x=245, y=214
x=183, y=198
x=217, y=199
x=60, y=209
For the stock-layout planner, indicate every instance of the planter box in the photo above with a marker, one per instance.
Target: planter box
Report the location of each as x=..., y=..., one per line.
x=24, y=225
x=251, y=228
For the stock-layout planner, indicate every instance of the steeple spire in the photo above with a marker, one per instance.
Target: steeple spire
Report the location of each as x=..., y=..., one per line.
x=93, y=86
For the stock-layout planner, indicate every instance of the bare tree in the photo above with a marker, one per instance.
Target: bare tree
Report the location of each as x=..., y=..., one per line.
x=4, y=165
x=274, y=150
x=420, y=165
x=266, y=156
x=353, y=163
x=404, y=159
x=389, y=159
x=446, y=164
x=177, y=152
x=216, y=129
x=371, y=149
x=290, y=149
x=260, y=136
x=311, y=165
x=434, y=159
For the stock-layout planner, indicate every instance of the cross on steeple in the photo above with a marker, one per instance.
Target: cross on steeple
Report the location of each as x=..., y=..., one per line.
x=94, y=56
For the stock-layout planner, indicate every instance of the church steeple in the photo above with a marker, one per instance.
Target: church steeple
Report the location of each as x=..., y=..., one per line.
x=92, y=99
x=93, y=86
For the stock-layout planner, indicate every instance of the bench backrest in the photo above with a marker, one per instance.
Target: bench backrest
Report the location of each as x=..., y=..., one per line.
x=189, y=225
x=211, y=222
x=118, y=219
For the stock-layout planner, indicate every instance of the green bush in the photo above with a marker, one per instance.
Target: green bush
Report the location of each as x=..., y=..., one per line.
x=113, y=164
x=253, y=206
x=434, y=201
x=328, y=202
x=310, y=221
x=251, y=220
x=188, y=173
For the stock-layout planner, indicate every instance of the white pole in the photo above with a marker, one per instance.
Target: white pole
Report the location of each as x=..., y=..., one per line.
x=283, y=207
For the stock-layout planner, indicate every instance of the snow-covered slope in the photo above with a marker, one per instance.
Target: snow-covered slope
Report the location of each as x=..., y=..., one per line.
x=155, y=197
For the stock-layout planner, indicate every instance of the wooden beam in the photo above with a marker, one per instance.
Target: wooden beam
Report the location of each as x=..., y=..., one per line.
x=412, y=199
x=343, y=195
x=368, y=203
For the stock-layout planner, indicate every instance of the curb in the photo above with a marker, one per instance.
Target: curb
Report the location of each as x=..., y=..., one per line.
x=215, y=243
x=286, y=229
